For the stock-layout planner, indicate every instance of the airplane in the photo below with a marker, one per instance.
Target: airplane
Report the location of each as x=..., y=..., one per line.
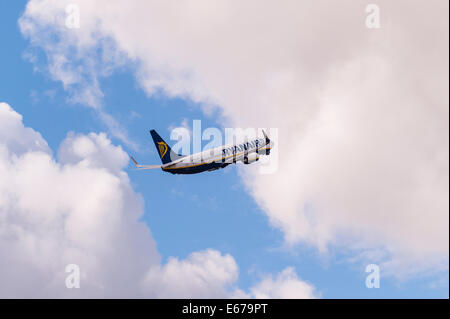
x=210, y=160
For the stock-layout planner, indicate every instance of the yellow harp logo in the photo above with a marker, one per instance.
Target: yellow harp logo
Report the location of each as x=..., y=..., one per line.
x=162, y=147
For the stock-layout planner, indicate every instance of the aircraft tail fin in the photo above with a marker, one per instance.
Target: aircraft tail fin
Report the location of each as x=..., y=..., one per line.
x=165, y=152
x=266, y=137
x=268, y=142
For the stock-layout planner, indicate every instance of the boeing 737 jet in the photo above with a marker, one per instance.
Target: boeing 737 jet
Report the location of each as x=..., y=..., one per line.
x=209, y=160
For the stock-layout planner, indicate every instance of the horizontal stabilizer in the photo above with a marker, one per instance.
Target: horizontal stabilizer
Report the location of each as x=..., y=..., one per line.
x=138, y=166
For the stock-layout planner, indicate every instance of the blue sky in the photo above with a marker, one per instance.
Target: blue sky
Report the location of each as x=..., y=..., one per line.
x=184, y=213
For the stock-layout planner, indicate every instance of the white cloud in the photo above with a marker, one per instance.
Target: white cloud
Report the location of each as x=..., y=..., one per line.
x=286, y=285
x=81, y=209
x=17, y=138
x=93, y=151
x=362, y=113
x=80, y=79
x=203, y=274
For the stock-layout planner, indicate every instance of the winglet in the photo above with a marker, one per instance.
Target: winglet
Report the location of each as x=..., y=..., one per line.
x=134, y=161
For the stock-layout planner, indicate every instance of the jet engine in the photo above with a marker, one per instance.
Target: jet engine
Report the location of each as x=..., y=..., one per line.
x=250, y=158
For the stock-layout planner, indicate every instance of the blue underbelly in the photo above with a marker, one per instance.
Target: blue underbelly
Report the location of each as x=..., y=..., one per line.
x=196, y=169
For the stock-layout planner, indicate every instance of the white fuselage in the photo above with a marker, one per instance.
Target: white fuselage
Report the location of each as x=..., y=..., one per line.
x=246, y=152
